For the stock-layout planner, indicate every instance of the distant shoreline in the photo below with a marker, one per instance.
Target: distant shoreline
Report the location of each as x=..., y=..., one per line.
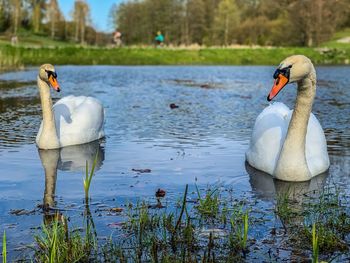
x=19, y=57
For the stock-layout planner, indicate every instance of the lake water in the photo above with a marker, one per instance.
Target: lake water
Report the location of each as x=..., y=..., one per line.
x=202, y=141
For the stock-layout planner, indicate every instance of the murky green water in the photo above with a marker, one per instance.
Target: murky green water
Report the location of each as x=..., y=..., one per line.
x=203, y=141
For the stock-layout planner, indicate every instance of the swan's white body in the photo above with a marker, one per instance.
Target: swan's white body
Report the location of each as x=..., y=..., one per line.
x=269, y=134
x=290, y=144
x=78, y=120
x=71, y=121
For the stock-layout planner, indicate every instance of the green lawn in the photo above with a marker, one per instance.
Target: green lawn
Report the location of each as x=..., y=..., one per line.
x=333, y=43
x=35, y=50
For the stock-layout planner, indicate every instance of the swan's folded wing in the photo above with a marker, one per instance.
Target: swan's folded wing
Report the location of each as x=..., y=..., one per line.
x=79, y=120
x=268, y=135
x=316, y=147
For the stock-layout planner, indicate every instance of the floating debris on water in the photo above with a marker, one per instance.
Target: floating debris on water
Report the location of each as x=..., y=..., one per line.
x=141, y=170
x=173, y=106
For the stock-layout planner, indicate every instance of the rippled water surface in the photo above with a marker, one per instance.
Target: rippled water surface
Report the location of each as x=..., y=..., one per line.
x=203, y=140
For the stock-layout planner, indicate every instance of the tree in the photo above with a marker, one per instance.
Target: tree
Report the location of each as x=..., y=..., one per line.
x=263, y=22
x=38, y=7
x=195, y=18
x=54, y=16
x=15, y=14
x=210, y=9
x=317, y=20
x=4, y=15
x=81, y=18
x=225, y=22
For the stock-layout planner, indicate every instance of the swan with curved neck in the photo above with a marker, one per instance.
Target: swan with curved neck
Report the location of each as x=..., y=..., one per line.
x=72, y=120
x=290, y=145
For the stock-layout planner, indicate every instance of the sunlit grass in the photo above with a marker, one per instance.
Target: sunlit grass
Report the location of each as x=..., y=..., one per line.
x=4, y=249
x=245, y=230
x=315, y=248
x=15, y=57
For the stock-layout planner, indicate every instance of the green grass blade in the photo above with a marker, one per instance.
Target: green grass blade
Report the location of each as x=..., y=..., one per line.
x=315, y=247
x=88, y=176
x=4, y=249
x=245, y=232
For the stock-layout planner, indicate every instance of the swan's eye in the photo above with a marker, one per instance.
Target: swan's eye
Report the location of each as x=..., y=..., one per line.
x=51, y=73
x=284, y=71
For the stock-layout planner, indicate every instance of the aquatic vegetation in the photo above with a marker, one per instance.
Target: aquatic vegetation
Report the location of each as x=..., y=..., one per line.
x=315, y=248
x=321, y=220
x=245, y=230
x=57, y=244
x=88, y=177
x=330, y=212
x=146, y=232
x=209, y=205
x=4, y=250
x=286, y=207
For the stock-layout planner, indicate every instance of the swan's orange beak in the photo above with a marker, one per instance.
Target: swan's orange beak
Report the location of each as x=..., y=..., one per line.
x=280, y=82
x=54, y=83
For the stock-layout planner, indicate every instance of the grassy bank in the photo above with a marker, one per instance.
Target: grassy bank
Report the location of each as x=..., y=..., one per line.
x=14, y=57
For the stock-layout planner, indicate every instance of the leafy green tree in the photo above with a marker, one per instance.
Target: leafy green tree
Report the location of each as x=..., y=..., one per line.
x=54, y=15
x=16, y=12
x=38, y=13
x=81, y=16
x=196, y=21
x=226, y=22
x=4, y=15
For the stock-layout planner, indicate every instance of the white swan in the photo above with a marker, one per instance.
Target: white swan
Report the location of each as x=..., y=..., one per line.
x=72, y=120
x=290, y=145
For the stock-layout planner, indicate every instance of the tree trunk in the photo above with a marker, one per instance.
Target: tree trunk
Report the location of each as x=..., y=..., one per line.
x=53, y=28
x=16, y=16
x=226, y=30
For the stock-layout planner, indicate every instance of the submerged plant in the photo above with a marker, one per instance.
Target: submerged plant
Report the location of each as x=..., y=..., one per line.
x=88, y=177
x=4, y=250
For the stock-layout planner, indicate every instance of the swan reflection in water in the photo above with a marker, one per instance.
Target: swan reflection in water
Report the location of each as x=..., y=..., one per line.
x=71, y=158
x=267, y=188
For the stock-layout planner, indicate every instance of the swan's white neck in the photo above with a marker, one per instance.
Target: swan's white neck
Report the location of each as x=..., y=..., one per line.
x=292, y=165
x=48, y=138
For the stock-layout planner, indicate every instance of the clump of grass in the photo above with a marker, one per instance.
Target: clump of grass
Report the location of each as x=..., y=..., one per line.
x=238, y=238
x=88, y=177
x=4, y=249
x=209, y=205
x=55, y=244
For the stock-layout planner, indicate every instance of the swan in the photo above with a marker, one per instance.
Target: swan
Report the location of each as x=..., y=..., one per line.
x=72, y=120
x=290, y=145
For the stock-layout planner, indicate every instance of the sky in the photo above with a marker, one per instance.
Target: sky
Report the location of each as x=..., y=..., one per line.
x=99, y=11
